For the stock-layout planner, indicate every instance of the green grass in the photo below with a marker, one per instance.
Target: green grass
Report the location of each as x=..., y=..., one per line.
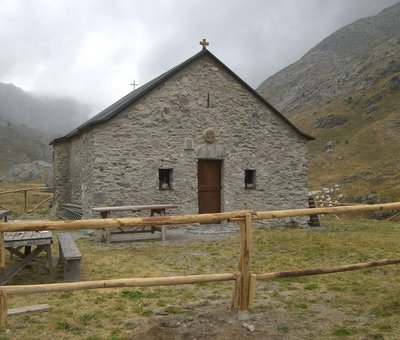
x=131, y=294
x=342, y=331
x=358, y=305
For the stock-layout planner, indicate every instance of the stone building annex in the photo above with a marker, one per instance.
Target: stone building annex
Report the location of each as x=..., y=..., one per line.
x=197, y=136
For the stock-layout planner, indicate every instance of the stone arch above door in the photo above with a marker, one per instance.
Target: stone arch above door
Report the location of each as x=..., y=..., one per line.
x=211, y=151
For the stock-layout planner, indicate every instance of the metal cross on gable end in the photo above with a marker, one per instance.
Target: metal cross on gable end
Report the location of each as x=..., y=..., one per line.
x=134, y=84
x=204, y=43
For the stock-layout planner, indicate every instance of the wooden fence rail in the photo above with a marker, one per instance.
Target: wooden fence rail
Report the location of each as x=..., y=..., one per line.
x=122, y=222
x=331, y=210
x=25, y=191
x=118, y=283
x=245, y=287
x=329, y=270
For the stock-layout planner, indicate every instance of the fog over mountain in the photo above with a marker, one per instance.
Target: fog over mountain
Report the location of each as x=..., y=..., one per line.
x=48, y=115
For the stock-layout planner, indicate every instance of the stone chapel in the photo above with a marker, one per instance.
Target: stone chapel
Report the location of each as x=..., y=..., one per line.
x=197, y=136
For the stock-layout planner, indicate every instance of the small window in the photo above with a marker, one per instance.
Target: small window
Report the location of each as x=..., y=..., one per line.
x=165, y=179
x=249, y=179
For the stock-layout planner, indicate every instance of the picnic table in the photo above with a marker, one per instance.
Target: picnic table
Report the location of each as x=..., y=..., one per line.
x=21, y=244
x=125, y=234
x=4, y=213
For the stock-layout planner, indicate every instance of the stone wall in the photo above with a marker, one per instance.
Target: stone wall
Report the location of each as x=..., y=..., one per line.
x=165, y=130
x=61, y=154
x=81, y=167
x=73, y=165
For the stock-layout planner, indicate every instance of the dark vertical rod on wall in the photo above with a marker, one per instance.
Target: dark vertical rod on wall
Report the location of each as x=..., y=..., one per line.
x=2, y=251
x=25, y=197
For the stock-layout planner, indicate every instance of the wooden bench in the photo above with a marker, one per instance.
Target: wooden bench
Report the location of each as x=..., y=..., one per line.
x=127, y=234
x=70, y=256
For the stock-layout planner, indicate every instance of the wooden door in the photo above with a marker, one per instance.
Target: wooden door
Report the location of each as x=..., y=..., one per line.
x=209, y=186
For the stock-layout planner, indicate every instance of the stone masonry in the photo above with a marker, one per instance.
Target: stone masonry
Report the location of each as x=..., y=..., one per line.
x=117, y=162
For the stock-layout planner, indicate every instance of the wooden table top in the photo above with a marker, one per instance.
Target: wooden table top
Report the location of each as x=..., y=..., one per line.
x=136, y=207
x=27, y=238
x=4, y=213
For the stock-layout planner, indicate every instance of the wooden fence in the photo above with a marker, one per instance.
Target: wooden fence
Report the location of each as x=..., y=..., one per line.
x=25, y=191
x=245, y=280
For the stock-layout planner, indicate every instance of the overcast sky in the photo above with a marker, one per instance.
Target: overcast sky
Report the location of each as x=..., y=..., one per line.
x=92, y=50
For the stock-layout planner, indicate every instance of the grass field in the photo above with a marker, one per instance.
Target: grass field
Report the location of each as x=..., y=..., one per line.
x=355, y=305
x=16, y=201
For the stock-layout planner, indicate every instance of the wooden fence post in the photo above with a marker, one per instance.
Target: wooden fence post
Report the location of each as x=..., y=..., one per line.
x=3, y=309
x=41, y=203
x=25, y=198
x=242, y=296
x=2, y=251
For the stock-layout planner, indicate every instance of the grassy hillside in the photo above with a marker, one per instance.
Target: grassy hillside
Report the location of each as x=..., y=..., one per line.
x=346, y=92
x=361, y=153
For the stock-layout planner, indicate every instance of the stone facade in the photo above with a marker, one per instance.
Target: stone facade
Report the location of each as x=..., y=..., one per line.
x=117, y=162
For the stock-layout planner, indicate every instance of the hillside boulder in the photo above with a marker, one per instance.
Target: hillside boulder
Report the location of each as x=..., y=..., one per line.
x=37, y=171
x=394, y=83
x=330, y=122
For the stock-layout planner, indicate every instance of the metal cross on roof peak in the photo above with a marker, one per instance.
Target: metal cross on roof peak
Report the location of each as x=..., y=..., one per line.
x=134, y=84
x=204, y=43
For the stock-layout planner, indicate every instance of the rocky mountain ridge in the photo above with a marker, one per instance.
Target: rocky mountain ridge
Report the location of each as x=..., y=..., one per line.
x=338, y=64
x=346, y=93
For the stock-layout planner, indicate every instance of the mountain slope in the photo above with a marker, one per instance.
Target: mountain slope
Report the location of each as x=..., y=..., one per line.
x=21, y=145
x=53, y=116
x=28, y=122
x=346, y=93
x=337, y=64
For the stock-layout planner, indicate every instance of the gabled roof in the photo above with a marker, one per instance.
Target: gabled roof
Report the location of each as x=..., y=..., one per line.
x=135, y=95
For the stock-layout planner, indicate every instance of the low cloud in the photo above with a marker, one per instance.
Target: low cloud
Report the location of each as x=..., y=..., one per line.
x=92, y=50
